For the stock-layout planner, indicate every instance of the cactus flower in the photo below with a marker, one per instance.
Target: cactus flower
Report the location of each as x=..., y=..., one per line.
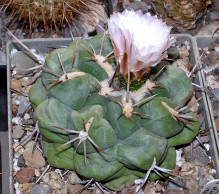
x=138, y=40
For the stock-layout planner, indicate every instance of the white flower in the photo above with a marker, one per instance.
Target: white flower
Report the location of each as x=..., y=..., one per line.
x=139, y=40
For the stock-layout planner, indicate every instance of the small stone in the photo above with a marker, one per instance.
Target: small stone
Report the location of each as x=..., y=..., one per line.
x=24, y=175
x=129, y=190
x=174, y=191
x=27, y=122
x=16, y=120
x=201, y=158
x=172, y=53
x=183, y=64
x=40, y=189
x=35, y=160
x=26, y=142
x=203, y=139
x=173, y=186
x=212, y=82
x=73, y=177
x=37, y=172
x=191, y=185
x=73, y=189
x=16, y=84
x=193, y=105
x=17, y=148
x=204, y=177
x=17, y=132
x=25, y=81
x=212, y=58
x=26, y=116
x=21, y=161
x=128, y=184
x=24, y=187
x=98, y=191
x=189, y=168
x=183, y=52
x=159, y=187
x=55, y=184
x=64, y=190
x=55, y=176
x=24, y=104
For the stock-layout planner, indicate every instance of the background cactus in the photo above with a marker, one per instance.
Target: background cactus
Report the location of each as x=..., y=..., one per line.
x=51, y=14
x=102, y=131
x=182, y=15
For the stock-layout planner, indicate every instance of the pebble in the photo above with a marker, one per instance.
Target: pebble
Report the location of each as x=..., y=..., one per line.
x=35, y=160
x=129, y=190
x=24, y=187
x=26, y=116
x=183, y=52
x=46, y=177
x=73, y=177
x=194, y=105
x=212, y=58
x=191, y=185
x=173, y=186
x=16, y=120
x=174, y=191
x=55, y=176
x=40, y=189
x=25, y=81
x=16, y=84
x=62, y=191
x=24, y=175
x=189, y=168
x=27, y=143
x=204, y=177
x=201, y=158
x=17, y=132
x=24, y=104
x=73, y=189
x=37, y=172
x=183, y=64
x=55, y=184
x=173, y=53
x=17, y=148
x=203, y=139
x=21, y=161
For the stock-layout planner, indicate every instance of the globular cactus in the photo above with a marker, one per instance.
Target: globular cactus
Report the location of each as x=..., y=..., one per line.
x=92, y=121
x=182, y=15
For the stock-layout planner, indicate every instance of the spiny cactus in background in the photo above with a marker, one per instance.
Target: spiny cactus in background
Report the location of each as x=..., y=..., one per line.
x=182, y=15
x=54, y=14
x=110, y=109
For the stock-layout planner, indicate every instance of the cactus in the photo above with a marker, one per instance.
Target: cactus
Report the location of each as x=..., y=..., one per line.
x=182, y=15
x=92, y=124
x=52, y=14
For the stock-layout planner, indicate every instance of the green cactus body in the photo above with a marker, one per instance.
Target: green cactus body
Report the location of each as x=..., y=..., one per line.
x=91, y=127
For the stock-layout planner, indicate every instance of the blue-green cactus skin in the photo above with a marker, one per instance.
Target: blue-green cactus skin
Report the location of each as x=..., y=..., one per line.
x=130, y=144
